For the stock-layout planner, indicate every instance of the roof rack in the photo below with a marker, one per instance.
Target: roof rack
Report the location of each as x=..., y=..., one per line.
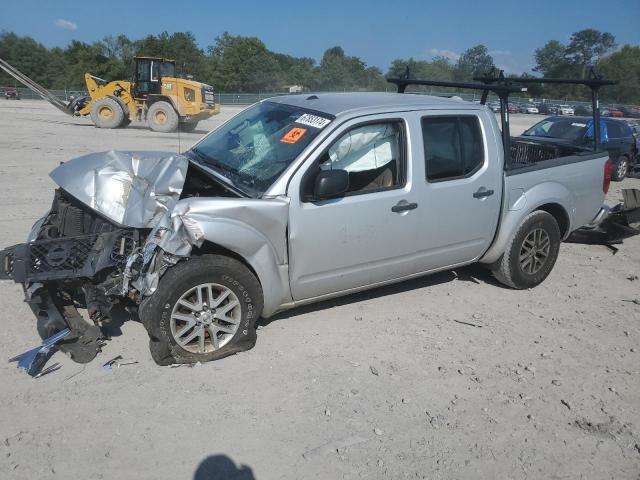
x=497, y=83
x=501, y=90
x=593, y=81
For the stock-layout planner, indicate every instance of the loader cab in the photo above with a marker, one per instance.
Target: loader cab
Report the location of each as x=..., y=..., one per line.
x=148, y=75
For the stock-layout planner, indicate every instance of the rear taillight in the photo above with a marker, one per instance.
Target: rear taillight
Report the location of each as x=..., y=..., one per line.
x=608, y=167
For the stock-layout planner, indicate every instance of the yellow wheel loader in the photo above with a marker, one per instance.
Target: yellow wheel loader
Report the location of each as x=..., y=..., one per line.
x=155, y=95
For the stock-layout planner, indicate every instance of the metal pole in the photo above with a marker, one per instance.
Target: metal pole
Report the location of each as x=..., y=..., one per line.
x=506, y=134
x=595, y=105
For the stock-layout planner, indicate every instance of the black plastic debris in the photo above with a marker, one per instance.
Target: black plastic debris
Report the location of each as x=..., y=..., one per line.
x=622, y=222
x=33, y=361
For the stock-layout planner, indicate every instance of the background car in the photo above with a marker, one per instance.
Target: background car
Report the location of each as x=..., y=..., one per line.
x=514, y=108
x=615, y=112
x=583, y=110
x=530, y=108
x=547, y=109
x=617, y=138
x=565, y=110
x=11, y=94
x=494, y=106
x=630, y=111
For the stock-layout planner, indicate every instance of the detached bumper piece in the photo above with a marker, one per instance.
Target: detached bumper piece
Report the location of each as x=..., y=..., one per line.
x=621, y=222
x=34, y=360
x=66, y=257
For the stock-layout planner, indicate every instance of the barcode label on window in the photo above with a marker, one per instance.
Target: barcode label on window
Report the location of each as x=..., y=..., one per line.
x=313, y=121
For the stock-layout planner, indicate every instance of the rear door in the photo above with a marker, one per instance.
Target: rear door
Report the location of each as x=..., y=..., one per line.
x=459, y=183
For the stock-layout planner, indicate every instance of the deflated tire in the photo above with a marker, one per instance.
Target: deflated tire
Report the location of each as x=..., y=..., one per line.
x=204, y=309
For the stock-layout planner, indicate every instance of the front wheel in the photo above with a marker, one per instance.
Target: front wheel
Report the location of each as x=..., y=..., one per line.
x=531, y=253
x=162, y=117
x=204, y=309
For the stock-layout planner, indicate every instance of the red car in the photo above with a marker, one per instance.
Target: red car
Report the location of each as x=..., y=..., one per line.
x=514, y=108
x=612, y=112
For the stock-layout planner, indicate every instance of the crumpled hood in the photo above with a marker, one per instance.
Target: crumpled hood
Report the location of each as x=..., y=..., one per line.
x=133, y=189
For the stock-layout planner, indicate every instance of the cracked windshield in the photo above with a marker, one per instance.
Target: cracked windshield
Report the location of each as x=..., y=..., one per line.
x=257, y=145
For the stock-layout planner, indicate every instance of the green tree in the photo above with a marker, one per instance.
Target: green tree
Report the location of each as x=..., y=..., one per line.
x=550, y=58
x=624, y=66
x=179, y=46
x=587, y=46
x=243, y=64
x=472, y=62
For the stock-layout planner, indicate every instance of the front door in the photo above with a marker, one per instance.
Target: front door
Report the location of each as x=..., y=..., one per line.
x=148, y=79
x=366, y=236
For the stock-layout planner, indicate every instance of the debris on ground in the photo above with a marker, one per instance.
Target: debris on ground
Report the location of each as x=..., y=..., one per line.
x=467, y=323
x=33, y=361
x=117, y=362
x=374, y=370
x=565, y=403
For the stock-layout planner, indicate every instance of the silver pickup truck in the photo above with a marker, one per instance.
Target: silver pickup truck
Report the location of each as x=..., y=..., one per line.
x=295, y=200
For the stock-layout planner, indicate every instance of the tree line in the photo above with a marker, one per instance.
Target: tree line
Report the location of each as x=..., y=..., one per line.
x=238, y=64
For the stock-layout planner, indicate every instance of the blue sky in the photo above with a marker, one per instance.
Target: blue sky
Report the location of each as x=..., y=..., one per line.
x=377, y=31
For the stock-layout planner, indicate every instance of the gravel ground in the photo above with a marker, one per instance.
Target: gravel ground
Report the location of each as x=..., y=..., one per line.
x=382, y=384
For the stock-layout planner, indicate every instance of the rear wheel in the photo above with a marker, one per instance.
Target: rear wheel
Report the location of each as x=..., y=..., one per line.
x=205, y=308
x=162, y=117
x=106, y=112
x=620, y=169
x=531, y=253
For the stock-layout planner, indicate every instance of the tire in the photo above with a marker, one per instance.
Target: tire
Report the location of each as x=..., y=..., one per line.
x=107, y=112
x=517, y=273
x=162, y=117
x=182, y=330
x=620, y=169
x=188, y=127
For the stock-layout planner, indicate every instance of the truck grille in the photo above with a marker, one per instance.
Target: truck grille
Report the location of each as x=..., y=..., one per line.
x=67, y=257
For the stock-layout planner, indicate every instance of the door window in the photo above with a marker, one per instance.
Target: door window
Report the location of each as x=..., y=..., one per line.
x=453, y=147
x=615, y=130
x=371, y=154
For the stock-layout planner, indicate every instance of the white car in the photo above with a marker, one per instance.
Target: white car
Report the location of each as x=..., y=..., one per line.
x=531, y=109
x=565, y=110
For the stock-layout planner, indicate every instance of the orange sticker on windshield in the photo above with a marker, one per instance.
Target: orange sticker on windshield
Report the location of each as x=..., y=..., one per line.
x=293, y=135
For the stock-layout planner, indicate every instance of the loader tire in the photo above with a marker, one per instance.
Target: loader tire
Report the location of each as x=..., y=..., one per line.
x=107, y=112
x=205, y=308
x=188, y=127
x=531, y=253
x=162, y=117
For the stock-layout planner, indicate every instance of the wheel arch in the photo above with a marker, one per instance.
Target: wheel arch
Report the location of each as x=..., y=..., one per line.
x=561, y=216
x=255, y=251
x=551, y=197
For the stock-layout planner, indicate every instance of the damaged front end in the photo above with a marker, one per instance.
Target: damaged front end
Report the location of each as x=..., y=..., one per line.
x=97, y=248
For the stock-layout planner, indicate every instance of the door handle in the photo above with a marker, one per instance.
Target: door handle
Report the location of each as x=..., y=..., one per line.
x=483, y=192
x=403, y=206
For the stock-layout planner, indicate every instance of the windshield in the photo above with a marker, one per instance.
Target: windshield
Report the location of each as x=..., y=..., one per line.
x=566, y=129
x=168, y=69
x=257, y=145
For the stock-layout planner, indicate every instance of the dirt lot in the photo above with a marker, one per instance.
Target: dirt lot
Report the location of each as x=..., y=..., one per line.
x=383, y=384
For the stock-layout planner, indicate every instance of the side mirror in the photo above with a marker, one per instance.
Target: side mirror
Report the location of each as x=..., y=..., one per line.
x=330, y=184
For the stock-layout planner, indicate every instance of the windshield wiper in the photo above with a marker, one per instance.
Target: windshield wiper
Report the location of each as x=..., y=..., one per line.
x=228, y=173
